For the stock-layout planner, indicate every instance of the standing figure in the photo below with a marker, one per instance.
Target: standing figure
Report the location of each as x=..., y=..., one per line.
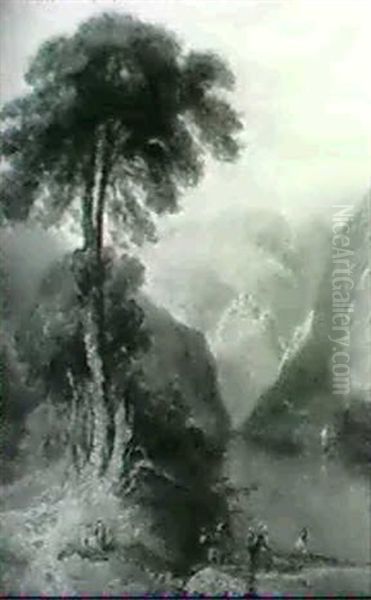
x=324, y=435
x=263, y=543
x=203, y=536
x=301, y=544
x=328, y=446
x=219, y=539
x=328, y=441
x=257, y=541
x=206, y=542
x=103, y=536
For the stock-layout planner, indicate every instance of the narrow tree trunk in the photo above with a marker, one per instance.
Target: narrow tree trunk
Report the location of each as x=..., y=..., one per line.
x=94, y=310
x=99, y=297
x=99, y=456
x=79, y=454
x=121, y=440
x=89, y=410
x=87, y=201
x=93, y=307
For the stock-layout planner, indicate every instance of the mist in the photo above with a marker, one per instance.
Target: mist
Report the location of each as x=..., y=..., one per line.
x=26, y=254
x=333, y=503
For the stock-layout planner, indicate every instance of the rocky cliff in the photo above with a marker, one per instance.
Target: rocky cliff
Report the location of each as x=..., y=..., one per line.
x=305, y=396
x=180, y=422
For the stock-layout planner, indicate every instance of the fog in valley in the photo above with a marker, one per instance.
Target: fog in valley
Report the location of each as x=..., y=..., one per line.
x=247, y=260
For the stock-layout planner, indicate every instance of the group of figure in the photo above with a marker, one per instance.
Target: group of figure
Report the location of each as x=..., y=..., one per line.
x=94, y=542
x=258, y=546
x=98, y=537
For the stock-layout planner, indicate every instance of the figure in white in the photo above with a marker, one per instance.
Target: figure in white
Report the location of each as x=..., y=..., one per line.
x=301, y=544
x=324, y=438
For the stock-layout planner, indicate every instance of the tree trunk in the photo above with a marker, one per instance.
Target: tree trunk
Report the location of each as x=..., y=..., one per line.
x=99, y=457
x=93, y=304
x=88, y=201
x=121, y=440
x=79, y=434
x=100, y=295
x=105, y=448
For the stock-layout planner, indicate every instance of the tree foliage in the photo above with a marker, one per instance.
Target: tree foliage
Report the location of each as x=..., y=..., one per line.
x=120, y=97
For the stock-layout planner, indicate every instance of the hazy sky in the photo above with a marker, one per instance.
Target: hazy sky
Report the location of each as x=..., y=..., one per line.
x=303, y=87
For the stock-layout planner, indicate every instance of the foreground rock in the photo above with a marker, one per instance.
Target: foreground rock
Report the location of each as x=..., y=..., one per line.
x=316, y=580
x=214, y=581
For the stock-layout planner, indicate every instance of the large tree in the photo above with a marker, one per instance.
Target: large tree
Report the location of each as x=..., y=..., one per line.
x=117, y=122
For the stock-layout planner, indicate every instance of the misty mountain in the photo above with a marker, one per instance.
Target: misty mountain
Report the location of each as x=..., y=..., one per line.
x=246, y=284
x=302, y=400
x=248, y=348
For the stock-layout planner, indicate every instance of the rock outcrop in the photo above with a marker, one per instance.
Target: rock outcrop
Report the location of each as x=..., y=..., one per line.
x=291, y=413
x=179, y=420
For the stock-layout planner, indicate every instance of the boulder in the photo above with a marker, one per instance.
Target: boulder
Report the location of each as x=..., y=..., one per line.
x=215, y=582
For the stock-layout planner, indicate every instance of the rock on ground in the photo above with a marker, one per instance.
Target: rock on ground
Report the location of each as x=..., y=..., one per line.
x=212, y=581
